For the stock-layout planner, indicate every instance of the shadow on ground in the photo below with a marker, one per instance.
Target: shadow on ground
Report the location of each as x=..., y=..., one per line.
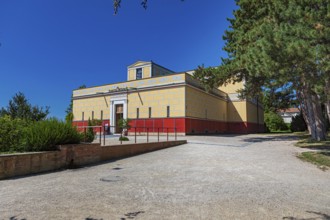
x=317, y=147
x=271, y=138
x=15, y=218
x=320, y=216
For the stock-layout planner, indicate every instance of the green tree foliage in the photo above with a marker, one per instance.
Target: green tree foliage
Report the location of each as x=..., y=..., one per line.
x=90, y=135
x=46, y=135
x=274, y=99
x=298, y=123
x=69, y=111
x=274, y=122
x=124, y=123
x=279, y=43
x=117, y=4
x=19, y=107
x=12, y=134
x=22, y=135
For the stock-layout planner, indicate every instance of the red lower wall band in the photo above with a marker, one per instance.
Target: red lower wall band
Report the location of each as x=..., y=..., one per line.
x=185, y=125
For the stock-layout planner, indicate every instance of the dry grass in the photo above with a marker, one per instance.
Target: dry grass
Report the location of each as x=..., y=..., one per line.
x=321, y=157
x=307, y=142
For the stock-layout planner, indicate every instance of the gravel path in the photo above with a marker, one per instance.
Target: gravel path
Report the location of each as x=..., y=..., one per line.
x=211, y=177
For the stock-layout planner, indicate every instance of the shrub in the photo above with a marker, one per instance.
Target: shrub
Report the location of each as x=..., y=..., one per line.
x=123, y=138
x=274, y=122
x=96, y=122
x=46, y=135
x=90, y=133
x=298, y=123
x=12, y=134
x=124, y=123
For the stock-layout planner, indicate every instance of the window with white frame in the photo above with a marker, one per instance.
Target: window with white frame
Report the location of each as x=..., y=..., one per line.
x=139, y=73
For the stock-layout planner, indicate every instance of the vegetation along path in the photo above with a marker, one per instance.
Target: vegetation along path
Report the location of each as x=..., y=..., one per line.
x=211, y=177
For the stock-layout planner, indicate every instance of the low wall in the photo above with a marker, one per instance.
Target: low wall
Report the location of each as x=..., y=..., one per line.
x=12, y=165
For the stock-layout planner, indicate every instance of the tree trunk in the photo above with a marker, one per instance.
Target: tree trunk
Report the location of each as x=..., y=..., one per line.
x=314, y=114
x=327, y=108
x=309, y=114
x=327, y=95
x=320, y=125
x=304, y=110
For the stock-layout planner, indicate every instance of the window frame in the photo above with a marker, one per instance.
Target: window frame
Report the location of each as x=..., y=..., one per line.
x=136, y=73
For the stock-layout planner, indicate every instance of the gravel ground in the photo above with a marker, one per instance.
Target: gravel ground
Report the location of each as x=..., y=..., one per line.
x=211, y=177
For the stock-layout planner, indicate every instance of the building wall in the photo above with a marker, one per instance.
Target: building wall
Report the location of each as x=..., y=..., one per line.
x=237, y=111
x=232, y=88
x=159, y=71
x=243, y=117
x=253, y=113
x=200, y=104
x=146, y=71
x=158, y=81
x=158, y=100
x=87, y=105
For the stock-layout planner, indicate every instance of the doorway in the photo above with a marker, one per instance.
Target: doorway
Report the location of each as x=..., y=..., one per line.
x=119, y=114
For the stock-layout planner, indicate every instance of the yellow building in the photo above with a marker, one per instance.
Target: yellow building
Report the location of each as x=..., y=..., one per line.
x=155, y=97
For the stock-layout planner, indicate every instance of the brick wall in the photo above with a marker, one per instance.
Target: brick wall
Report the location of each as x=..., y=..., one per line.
x=12, y=165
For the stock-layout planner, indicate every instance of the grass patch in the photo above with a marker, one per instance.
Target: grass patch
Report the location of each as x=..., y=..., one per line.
x=321, y=159
x=306, y=142
x=280, y=132
x=9, y=152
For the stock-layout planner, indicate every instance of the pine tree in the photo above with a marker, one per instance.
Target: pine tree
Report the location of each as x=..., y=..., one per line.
x=279, y=43
x=69, y=110
x=19, y=107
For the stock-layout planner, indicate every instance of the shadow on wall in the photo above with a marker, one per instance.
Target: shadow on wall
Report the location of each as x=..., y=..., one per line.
x=244, y=117
x=320, y=216
x=234, y=111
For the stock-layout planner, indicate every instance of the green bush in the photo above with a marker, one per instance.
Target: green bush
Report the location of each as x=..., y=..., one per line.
x=90, y=135
x=124, y=123
x=274, y=122
x=12, y=134
x=298, y=123
x=123, y=138
x=46, y=135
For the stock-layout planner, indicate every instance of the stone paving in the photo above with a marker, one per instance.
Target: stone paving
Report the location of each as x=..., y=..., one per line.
x=211, y=177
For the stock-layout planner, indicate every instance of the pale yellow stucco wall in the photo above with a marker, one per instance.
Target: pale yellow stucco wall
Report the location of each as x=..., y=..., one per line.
x=146, y=71
x=252, y=113
x=232, y=88
x=159, y=71
x=87, y=105
x=158, y=100
x=200, y=104
x=245, y=111
x=237, y=111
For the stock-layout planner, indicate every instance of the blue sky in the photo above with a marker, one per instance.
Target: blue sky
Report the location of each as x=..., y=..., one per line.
x=48, y=48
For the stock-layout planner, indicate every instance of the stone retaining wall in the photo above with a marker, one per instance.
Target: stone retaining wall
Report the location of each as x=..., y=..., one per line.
x=12, y=165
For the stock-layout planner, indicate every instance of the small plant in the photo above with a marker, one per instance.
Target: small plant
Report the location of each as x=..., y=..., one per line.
x=96, y=122
x=124, y=125
x=90, y=135
x=123, y=138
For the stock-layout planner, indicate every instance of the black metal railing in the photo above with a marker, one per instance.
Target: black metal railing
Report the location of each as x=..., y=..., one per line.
x=150, y=134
